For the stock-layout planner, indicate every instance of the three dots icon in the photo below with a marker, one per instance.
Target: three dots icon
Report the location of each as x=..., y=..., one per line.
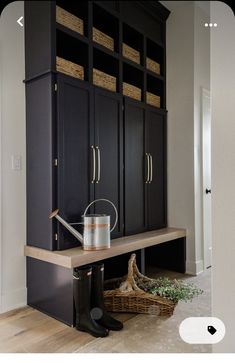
x=210, y=25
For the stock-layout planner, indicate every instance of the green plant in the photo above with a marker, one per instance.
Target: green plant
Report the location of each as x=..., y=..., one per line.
x=174, y=290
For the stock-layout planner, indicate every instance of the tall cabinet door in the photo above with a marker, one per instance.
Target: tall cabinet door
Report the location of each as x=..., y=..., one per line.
x=134, y=156
x=109, y=146
x=155, y=147
x=74, y=105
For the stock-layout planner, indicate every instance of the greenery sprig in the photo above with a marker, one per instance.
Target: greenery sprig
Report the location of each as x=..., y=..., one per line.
x=174, y=290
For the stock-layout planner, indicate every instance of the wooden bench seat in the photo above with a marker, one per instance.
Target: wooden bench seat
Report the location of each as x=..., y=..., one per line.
x=76, y=257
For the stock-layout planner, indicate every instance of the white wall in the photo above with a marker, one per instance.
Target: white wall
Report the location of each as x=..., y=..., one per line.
x=223, y=170
x=187, y=71
x=180, y=172
x=13, y=185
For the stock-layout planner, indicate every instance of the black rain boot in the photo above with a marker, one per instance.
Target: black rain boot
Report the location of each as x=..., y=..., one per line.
x=97, y=299
x=82, y=301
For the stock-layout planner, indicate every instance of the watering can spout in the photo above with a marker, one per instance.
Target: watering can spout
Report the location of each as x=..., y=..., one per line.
x=96, y=228
x=72, y=230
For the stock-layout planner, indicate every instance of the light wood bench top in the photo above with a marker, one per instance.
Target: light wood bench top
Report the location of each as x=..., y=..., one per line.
x=75, y=257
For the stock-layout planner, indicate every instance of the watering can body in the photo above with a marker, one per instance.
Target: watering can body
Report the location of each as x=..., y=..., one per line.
x=96, y=228
x=96, y=233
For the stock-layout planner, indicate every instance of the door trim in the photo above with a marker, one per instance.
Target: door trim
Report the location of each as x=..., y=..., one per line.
x=205, y=93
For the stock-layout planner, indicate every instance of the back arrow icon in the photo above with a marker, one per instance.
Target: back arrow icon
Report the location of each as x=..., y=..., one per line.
x=19, y=21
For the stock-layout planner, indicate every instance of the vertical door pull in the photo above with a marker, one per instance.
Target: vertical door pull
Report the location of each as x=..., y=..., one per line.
x=147, y=179
x=151, y=168
x=98, y=164
x=93, y=164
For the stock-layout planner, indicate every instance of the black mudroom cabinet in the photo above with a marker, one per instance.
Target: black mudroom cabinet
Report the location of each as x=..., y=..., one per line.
x=85, y=142
x=96, y=128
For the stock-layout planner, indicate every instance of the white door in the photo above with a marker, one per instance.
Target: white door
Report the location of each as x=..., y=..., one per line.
x=206, y=156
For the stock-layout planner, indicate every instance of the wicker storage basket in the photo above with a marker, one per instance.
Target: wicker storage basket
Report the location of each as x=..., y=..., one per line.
x=102, y=38
x=69, y=20
x=130, y=298
x=131, y=91
x=70, y=68
x=153, y=100
x=130, y=53
x=152, y=65
x=104, y=80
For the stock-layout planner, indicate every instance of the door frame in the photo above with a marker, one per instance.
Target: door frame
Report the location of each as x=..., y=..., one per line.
x=205, y=93
x=1, y=254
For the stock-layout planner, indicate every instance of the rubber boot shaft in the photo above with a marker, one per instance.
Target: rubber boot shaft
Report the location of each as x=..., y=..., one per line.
x=82, y=300
x=98, y=299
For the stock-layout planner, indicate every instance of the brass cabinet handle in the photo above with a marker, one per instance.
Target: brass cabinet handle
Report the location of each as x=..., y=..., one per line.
x=93, y=164
x=151, y=168
x=98, y=163
x=147, y=179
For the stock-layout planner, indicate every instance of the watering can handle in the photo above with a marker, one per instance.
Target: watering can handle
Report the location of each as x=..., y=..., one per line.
x=104, y=200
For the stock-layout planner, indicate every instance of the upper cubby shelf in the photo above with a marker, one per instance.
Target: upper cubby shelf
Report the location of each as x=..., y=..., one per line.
x=105, y=29
x=72, y=33
x=105, y=50
x=132, y=44
x=155, y=92
x=73, y=14
x=133, y=81
x=105, y=72
x=154, y=57
x=72, y=56
x=112, y=44
x=105, y=63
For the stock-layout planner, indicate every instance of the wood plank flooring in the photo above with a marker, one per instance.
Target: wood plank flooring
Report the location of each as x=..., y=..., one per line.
x=27, y=330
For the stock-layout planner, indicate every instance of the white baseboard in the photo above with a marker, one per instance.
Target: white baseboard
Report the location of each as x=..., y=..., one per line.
x=194, y=267
x=13, y=299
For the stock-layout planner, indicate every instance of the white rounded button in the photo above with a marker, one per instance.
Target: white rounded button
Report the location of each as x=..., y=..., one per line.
x=202, y=330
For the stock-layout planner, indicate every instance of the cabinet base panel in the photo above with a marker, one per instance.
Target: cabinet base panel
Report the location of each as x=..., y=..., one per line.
x=50, y=290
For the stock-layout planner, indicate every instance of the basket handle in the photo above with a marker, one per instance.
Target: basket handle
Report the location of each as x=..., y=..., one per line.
x=132, y=271
x=130, y=284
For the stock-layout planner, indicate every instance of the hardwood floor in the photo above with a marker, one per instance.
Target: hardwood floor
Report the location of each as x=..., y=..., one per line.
x=27, y=330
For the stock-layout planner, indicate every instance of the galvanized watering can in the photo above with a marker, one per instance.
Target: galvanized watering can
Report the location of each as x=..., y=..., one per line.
x=96, y=234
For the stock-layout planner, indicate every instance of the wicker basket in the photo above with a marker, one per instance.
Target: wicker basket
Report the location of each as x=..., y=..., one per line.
x=104, y=80
x=131, y=91
x=152, y=65
x=102, y=38
x=130, y=298
x=69, y=20
x=70, y=68
x=153, y=100
x=130, y=53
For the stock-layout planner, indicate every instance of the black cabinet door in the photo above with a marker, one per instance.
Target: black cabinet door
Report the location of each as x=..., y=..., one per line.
x=41, y=199
x=134, y=182
x=155, y=147
x=74, y=130
x=109, y=159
